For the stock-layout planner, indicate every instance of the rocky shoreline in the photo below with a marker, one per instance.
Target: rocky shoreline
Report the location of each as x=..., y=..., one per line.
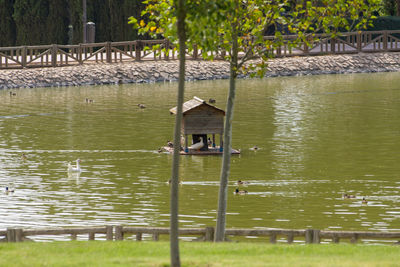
x=166, y=71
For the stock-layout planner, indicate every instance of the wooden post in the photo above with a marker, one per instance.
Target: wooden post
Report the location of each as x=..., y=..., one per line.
x=73, y=237
x=309, y=236
x=186, y=144
x=195, y=52
x=138, y=236
x=354, y=239
x=359, y=41
x=10, y=235
x=138, y=48
x=272, y=238
x=213, y=141
x=119, y=235
x=333, y=45
x=335, y=238
x=24, y=57
x=316, y=236
x=290, y=238
x=108, y=52
x=221, y=143
x=385, y=40
x=91, y=236
x=19, y=235
x=54, y=55
x=209, y=235
x=80, y=57
x=166, y=46
x=109, y=233
x=156, y=236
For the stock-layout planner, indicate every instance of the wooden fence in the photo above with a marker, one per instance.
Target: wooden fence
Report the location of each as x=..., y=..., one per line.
x=109, y=52
x=309, y=236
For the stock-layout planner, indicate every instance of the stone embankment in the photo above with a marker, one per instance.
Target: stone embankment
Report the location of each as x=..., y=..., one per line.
x=162, y=71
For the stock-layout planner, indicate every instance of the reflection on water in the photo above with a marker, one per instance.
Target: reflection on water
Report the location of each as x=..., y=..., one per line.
x=318, y=137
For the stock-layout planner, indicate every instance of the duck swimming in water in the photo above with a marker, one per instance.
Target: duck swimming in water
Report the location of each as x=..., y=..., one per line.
x=9, y=190
x=364, y=201
x=348, y=196
x=240, y=192
x=240, y=182
x=77, y=168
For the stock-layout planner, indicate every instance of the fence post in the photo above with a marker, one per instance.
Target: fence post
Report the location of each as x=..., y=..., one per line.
x=166, y=47
x=272, y=238
x=10, y=235
x=138, y=236
x=91, y=236
x=354, y=239
x=108, y=52
x=290, y=238
x=195, y=52
x=209, y=235
x=333, y=45
x=109, y=233
x=138, y=49
x=385, y=40
x=309, y=236
x=54, y=55
x=156, y=236
x=359, y=41
x=119, y=235
x=316, y=236
x=24, y=55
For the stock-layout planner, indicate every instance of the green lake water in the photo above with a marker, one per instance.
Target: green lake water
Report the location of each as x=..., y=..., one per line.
x=319, y=137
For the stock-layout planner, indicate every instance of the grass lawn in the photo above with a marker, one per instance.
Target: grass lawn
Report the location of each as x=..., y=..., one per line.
x=130, y=253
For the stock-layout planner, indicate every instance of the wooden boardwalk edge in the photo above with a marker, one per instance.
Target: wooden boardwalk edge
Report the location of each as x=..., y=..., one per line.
x=309, y=236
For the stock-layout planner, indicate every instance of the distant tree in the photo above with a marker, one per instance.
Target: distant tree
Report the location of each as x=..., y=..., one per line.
x=7, y=28
x=57, y=22
x=30, y=17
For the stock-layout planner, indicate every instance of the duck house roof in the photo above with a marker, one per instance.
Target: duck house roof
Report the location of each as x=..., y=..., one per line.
x=195, y=103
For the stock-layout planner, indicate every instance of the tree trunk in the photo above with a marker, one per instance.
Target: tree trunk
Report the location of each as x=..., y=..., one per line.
x=397, y=7
x=174, y=222
x=226, y=158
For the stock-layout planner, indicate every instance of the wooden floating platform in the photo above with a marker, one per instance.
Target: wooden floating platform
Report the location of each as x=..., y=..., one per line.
x=210, y=151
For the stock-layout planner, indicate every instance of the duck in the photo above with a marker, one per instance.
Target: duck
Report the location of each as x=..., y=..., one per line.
x=77, y=168
x=13, y=93
x=348, y=196
x=240, y=192
x=24, y=157
x=255, y=148
x=364, y=201
x=9, y=190
x=209, y=142
x=141, y=106
x=198, y=145
x=169, y=182
x=170, y=144
x=212, y=100
x=240, y=182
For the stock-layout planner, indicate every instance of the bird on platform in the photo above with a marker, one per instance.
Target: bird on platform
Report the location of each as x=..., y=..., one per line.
x=76, y=168
x=212, y=101
x=141, y=106
x=364, y=201
x=240, y=192
x=198, y=145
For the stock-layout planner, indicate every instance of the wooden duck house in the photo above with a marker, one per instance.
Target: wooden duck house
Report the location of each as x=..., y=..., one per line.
x=201, y=123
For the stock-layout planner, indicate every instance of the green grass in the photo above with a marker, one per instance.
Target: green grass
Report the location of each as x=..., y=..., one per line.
x=128, y=253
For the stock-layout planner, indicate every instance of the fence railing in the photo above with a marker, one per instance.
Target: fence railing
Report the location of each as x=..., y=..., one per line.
x=66, y=55
x=309, y=236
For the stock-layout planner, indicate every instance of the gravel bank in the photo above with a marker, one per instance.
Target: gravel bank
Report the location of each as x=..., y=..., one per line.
x=161, y=71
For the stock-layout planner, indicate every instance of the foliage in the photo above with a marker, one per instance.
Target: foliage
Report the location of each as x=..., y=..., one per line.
x=386, y=23
x=7, y=29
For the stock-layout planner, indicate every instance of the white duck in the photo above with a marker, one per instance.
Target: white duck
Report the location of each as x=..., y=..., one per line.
x=198, y=145
x=77, y=168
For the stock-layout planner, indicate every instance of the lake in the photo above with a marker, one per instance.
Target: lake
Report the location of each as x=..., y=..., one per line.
x=319, y=137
